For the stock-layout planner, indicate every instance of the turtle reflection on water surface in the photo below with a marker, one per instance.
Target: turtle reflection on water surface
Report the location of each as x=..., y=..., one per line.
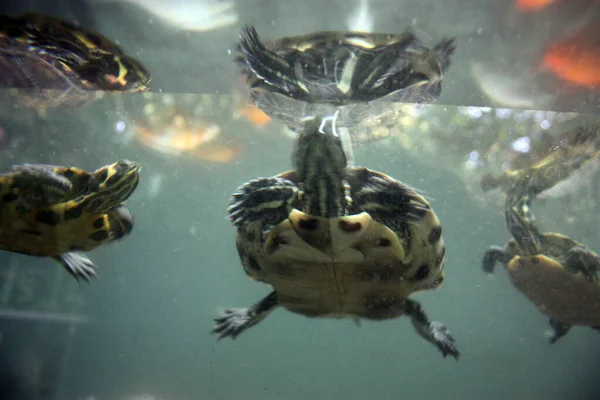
x=357, y=73
x=336, y=241
x=56, y=64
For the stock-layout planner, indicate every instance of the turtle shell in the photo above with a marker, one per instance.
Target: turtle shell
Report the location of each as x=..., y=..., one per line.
x=558, y=293
x=352, y=265
x=354, y=72
x=58, y=64
x=50, y=211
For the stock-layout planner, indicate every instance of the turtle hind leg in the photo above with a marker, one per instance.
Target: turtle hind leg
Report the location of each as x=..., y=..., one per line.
x=557, y=330
x=493, y=255
x=266, y=199
x=234, y=321
x=580, y=259
x=78, y=265
x=434, y=332
x=271, y=68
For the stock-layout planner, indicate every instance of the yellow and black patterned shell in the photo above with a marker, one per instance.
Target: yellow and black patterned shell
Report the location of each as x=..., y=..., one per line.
x=51, y=210
x=43, y=54
x=314, y=74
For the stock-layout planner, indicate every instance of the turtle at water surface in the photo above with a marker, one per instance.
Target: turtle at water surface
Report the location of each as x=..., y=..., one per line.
x=562, y=170
x=59, y=212
x=53, y=63
x=360, y=73
x=558, y=274
x=336, y=241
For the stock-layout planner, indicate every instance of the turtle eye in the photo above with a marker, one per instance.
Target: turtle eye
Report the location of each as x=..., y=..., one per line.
x=422, y=273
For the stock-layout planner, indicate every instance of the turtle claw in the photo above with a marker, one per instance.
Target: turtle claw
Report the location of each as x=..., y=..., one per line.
x=78, y=265
x=443, y=339
x=232, y=322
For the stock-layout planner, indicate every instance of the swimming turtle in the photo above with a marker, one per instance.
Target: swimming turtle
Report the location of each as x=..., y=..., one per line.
x=54, y=63
x=575, y=158
x=357, y=72
x=58, y=212
x=558, y=274
x=336, y=241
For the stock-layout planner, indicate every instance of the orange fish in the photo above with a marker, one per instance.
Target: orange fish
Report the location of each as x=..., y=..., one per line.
x=180, y=139
x=576, y=59
x=255, y=115
x=532, y=5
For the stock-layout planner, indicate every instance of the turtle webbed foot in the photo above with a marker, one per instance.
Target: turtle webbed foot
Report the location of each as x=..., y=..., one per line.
x=557, y=330
x=434, y=332
x=233, y=321
x=265, y=199
x=442, y=338
x=78, y=265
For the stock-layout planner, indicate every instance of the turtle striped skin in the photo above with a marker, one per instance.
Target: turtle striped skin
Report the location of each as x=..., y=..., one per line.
x=59, y=63
x=556, y=273
x=316, y=73
x=59, y=212
x=336, y=241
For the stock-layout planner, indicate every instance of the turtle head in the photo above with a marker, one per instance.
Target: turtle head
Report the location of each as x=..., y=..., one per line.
x=111, y=185
x=320, y=163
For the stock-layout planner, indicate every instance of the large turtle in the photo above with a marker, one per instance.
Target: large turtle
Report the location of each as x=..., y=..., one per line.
x=558, y=274
x=58, y=212
x=359, y=73
x=336, y=241
x=54, y=63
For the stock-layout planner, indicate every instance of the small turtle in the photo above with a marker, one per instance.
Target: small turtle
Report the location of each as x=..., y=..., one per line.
x=315, y=74
x=59, y=64
x=576, y=157
x=53, y=211
x=558, y=274
x=336, y=241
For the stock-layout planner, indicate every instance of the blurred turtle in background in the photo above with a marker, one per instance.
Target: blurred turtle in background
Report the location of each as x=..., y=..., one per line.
x=52, y=63
x=336, y=241
x=558, y=274
x=576, y=157
x=58, y=212
x=359, y=73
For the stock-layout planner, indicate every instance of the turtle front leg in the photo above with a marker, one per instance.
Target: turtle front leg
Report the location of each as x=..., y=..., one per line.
x=580, y=259
x=434, y=332
x=265, y=199
x=77, y=264
x=557, y=330
x=493, y=255
x=234, y=321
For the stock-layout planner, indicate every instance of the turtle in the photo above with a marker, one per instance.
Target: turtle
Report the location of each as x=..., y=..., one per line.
x=557, y=273
x=54, y=63
x=360, y=73
x=574, y=158
x=59, y=212
x=336, y=242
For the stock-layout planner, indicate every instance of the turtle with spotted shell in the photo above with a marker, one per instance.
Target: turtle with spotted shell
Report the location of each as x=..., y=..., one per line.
x=359, y=73
x=558, y=274
x=59, y=212
x=336, y=241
